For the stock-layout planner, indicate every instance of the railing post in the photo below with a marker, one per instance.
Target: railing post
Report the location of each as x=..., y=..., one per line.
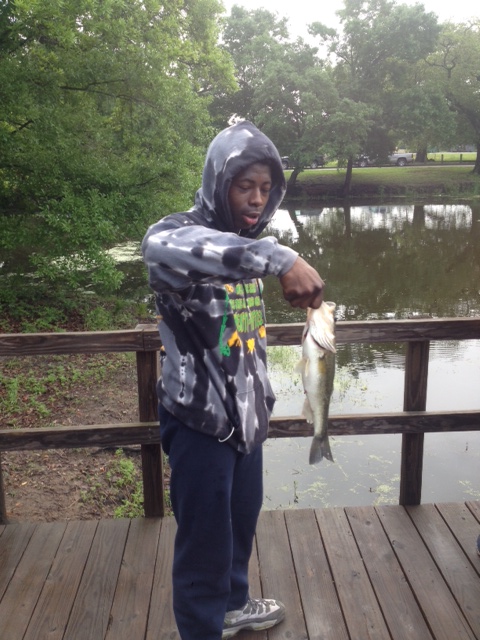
x=152, y=464
x=3, y=507
x=415, y=399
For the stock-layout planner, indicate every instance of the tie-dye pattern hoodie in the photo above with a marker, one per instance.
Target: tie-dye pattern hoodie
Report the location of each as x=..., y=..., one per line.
x=206, y=280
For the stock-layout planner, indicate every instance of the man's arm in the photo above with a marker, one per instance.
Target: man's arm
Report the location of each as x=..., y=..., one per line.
x=179, y=253
x=302, y=286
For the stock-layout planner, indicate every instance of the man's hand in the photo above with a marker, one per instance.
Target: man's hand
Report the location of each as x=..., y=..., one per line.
x=302, y=286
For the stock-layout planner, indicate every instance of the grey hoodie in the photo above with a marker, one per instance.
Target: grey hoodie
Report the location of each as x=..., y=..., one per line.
x=209, y=298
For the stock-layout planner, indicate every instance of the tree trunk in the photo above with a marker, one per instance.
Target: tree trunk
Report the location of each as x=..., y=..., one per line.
x=418, y=216
x=347, y=216
x=345, y=191
x=292, y=181
x=476, y=168
x=421, y=155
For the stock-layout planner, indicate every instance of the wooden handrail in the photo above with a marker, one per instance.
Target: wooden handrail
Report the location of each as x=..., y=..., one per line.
x=145, y=337
x=148, y=433
x=144, y=340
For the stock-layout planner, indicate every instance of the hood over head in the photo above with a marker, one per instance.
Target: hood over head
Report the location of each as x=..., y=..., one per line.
x=231, y=151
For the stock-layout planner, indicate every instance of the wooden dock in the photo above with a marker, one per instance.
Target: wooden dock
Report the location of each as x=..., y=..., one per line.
x=355, y=573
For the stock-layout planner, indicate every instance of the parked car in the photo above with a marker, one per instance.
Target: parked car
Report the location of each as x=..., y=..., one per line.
x=399, y=159
x=363, y=161
x=317, y=161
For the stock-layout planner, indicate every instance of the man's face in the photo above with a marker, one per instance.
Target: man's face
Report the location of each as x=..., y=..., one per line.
x=248, y=195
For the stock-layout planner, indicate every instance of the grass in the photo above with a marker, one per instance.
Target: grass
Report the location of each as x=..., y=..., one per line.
x=30, y=388
x=452, y=156
x=427, y=180
x=120, y=485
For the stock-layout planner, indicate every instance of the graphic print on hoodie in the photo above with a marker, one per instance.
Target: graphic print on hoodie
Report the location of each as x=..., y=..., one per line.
x=208, y=292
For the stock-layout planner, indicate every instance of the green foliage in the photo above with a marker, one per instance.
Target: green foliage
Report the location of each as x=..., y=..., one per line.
x=375, y=54
x=87, y=313
x=298, y=98
x=455, y=65
x=122, y=487
x=103, y=126
x=29, y=388
x=125, y=478
x=421, y=181
x=283, y=88
x=252, y=39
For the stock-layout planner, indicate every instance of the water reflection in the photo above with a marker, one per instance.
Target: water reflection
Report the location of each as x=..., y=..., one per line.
x=401, y=261
x=386, y=262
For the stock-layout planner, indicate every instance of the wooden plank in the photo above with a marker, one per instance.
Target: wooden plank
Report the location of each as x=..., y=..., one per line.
x=459, y=574
x=278, y=574
x=3, y=507
x=90, y=614
x=27, y=582
x=152, y=462
x=130, y=608
x=94, y=435
x=53, y=608
x=402, y=614
x=474, y=508
x=161, y=621
x=362, y=613
x=416, y=376
x=146, y=337
x=13, y=543
x=147, y=433
x=465, y=527
x=322, y=611
x=384, y=331
x=379, y=423
x=415, y=399
x=152, y=475
x=34, y=344
x=256, y=591
x=432, y=594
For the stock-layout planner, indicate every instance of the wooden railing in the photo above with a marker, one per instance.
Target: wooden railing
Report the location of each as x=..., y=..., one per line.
x=413, y=422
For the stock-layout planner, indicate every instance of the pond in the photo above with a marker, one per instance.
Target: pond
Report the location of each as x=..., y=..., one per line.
x=379, y=262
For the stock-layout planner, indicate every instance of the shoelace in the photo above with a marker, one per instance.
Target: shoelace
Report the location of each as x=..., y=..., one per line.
x=256, y=606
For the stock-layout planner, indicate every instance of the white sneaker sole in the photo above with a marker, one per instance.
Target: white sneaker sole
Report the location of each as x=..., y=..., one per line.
x=252, y=626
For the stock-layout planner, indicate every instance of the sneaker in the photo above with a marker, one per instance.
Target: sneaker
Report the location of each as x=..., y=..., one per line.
x=478, y=545
x=256, y=615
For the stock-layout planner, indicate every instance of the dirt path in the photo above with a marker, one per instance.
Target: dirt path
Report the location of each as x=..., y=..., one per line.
x=70, y=484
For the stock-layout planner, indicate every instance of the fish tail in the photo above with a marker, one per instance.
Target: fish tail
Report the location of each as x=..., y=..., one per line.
x=320, y=449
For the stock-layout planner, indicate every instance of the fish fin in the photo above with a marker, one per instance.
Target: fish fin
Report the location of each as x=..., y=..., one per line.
x=307, y=411
x=300, y=366
x=324, y=339
x=320, y=449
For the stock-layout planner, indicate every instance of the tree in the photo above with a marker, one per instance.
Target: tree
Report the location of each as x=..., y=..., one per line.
x=103, y=126
x=283, y=87
x=424, y=117
x=374, y=51
x=457, y=63
x=252, y=39
x=294, y=103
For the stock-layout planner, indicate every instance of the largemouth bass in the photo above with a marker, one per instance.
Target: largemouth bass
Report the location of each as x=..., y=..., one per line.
x=317, y=367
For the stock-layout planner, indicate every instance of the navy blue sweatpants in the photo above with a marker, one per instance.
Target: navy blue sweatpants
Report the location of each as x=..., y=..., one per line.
x=216, y=495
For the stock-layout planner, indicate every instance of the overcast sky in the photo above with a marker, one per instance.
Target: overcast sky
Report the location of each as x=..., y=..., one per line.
x=303, y=12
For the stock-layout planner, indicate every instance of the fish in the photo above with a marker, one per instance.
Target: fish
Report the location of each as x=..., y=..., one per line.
x=317, y=367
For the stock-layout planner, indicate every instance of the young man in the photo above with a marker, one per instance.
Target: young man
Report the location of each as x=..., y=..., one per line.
x=215, y=397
